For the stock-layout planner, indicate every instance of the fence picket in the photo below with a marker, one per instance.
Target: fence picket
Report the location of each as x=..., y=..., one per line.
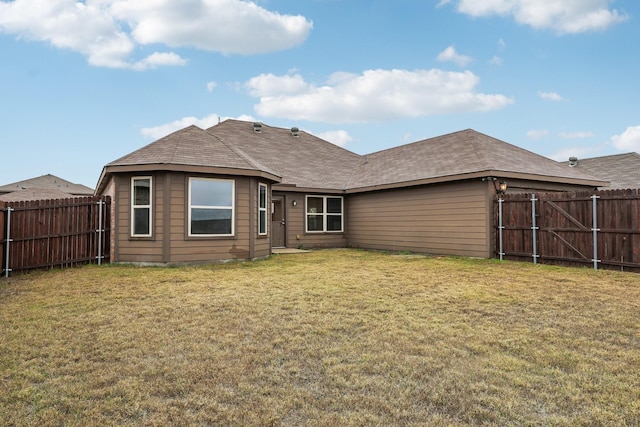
x=54, y=233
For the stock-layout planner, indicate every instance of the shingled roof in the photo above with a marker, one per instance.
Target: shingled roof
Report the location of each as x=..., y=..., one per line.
x=302, y=161
x=48, y=182
x=300, y=158
x=35, y=194
x=621, y=170
x=190, y=149
x=456, y=156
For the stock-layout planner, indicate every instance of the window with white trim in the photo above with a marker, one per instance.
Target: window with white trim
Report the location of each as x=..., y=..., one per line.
x=324, y=214
x=262, y=209
x=141, y=198
x=211, y=207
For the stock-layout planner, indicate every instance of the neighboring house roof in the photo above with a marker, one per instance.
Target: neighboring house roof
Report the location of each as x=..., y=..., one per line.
x=48, y=182
x=621, y=170
x=300, y=160
x=460, y=155
x=35, y=194
x=189, y=149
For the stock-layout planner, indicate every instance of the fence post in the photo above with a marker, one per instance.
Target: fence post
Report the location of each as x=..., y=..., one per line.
x=8, y=243
x=100, y=203
x=595, y=230
x=500, y=228
x=534, y=228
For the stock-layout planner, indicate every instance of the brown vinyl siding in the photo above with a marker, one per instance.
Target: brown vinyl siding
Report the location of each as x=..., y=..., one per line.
x=138, y=249
x=448, y=219
x=170, y=242
x=295, y=220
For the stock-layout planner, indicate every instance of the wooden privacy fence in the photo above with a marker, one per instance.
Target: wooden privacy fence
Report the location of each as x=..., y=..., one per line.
x=54, y=233
x=599, y=229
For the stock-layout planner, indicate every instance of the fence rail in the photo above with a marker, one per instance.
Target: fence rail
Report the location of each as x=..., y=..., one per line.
x=54, y=233
x=601, y=229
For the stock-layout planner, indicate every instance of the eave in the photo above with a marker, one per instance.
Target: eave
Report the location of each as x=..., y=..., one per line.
x=170, y=167
x=479, y=175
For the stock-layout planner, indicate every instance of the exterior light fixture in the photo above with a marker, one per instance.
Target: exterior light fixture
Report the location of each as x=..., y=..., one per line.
x=502, y=187
x=294, y=203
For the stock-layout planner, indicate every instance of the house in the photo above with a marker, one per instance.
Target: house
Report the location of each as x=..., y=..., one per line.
x=43, y=187
x=621, y=170
x=238, y=189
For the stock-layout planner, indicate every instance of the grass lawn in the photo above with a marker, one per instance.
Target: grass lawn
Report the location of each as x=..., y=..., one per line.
x=326, y=338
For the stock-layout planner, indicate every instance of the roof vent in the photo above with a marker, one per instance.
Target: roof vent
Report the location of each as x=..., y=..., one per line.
x=257, y=127
x=295, y=131
x=573, y=161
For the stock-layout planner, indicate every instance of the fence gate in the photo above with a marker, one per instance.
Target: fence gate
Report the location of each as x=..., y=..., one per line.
x=600, y=229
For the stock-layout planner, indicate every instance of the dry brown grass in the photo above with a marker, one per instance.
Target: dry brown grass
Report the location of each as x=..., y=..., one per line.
x=336, y=337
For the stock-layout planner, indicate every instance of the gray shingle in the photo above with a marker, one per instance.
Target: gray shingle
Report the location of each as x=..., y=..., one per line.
x=307, y=161
x=621, y=170
x=303, y=160
x=454, y=154
x=48, y=182
x=190, y=146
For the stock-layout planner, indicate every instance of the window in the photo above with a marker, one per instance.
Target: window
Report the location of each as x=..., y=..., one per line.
x=141, y=206
x=211, y=210
x=262, y=209
x=324, y=214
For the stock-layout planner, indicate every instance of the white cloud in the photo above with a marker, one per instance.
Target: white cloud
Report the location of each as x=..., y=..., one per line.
x=496, y=60
x=226, y=26
x=158, y=59
x=580, y=152
x=562, y=16
x=107, y=32
x=337, y=137
x=537, y=133
x=373, y=95
x=450, y=55
x=167, y=128
x=211, y=86
x=629, y=140
x=266, y=85
x=550, y=96
x=576, y=135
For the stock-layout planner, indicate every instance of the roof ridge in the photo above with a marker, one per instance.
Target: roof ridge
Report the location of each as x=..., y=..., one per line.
x=250, y=160
x=630, y=153
x=178, y=143
x=480, y=155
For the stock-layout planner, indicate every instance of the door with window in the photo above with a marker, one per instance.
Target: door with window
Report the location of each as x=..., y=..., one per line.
x=278, y=222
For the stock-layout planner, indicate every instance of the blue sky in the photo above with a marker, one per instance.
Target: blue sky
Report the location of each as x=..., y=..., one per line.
x=86, y=82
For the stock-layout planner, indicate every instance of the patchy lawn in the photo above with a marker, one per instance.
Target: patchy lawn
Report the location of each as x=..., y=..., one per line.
x=335, y=337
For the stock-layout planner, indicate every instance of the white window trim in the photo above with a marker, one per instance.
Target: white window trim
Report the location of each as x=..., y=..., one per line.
x=324, y=214
x=232, y=207
x=263, y=209
x=134, y=206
